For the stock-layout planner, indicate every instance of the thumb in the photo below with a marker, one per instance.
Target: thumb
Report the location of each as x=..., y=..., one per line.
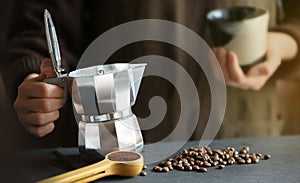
x=46, y=68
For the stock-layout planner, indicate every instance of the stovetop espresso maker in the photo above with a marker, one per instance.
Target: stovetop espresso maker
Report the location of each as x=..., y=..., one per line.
x=102, y=98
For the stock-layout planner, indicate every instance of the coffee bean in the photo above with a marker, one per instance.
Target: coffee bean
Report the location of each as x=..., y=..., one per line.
x=219, y=152
x=205, y=157
x=232, y=159
x=195, y=167
x=191, y=159
x=244, y=156
x=207, y=148
x=252, y=155
x=215, y=158
x=177, y=165
x=206, y=164
x=157, y=169
x=161, y=163
x=202, y=169
x=180, y=168
x=188, y=168
x=230, y=162
x=168, y=163
x=199, y=163
x=193, y=149
x=255, y=160
x=165, y=169
x=198, y=157
x=227, y=156
x=247, y=149
x=209, y=152
x=185, y=152
x=224, y=163
x=143, y=173
x=267, y=156
x=230, y=153
x=221, y=166
x=186, y=164
x=178, y=157
x=241, y=161
x=237, y=158
x=235, y=153
x=191, y=153
x=248, y=160
x=243, y=151
x=215, y=163
x=170, y=159
x=259, y=155
x=220, y=161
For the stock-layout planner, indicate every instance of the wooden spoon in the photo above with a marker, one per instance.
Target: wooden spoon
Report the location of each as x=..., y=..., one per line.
x=122, y=163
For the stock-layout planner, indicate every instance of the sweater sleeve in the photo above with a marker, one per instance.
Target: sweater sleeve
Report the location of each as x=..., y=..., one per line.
x=27, y=45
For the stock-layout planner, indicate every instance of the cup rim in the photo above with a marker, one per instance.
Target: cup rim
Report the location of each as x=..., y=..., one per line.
x=258, y=13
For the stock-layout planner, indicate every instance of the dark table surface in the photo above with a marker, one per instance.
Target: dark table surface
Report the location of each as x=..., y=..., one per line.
x=284, y=165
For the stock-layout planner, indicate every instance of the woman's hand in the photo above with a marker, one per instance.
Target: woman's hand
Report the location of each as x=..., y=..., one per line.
x=255, y=78
x=279, y=47
x=37, y=103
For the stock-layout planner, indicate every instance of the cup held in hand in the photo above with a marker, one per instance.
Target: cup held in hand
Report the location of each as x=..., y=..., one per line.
x=242, y=30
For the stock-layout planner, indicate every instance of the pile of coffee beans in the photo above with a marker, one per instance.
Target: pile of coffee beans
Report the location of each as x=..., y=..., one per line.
x=199, y=159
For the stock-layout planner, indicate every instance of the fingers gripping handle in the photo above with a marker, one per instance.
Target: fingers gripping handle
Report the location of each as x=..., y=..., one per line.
x=62, y=82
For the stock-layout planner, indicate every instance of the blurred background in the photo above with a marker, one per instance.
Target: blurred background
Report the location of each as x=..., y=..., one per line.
x=287, y=89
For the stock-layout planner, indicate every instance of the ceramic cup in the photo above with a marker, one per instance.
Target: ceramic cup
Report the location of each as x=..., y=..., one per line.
x=242, y=30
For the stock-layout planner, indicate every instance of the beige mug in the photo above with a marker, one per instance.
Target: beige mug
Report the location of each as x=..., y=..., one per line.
x=242, y=30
